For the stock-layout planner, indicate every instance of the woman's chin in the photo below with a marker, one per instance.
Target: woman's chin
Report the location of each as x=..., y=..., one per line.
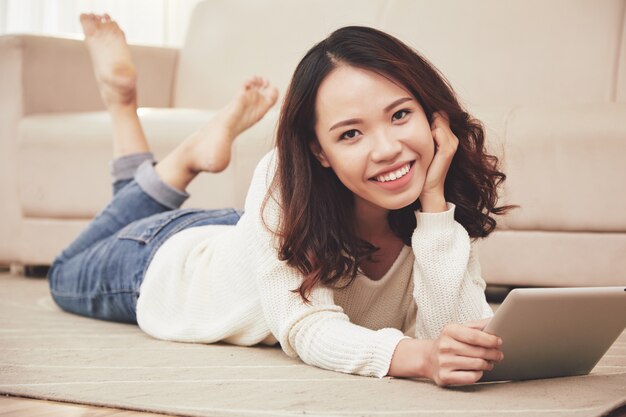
x=399, y=202
x=399, y=205
x=404, y=198
x=391, y=200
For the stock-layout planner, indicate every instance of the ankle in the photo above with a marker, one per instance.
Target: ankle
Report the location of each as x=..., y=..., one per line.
x=118, y=102
x=223, y=124
x=207, y=150
x=122, y=110
x=186, y=155
x=177, y=169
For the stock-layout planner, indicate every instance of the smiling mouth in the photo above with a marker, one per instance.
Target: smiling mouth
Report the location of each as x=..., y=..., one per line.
x=394, y=175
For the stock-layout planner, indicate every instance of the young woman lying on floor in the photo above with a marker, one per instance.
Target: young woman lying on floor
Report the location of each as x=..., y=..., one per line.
x=356, y=248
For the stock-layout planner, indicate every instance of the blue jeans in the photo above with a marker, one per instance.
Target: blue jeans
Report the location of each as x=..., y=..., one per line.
x=99, y=274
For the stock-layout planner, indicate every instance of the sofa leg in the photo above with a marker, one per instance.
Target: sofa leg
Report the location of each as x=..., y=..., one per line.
x=36, y=271
x=497, y=293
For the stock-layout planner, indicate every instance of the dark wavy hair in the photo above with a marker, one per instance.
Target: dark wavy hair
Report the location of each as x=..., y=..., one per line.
x=316, y=231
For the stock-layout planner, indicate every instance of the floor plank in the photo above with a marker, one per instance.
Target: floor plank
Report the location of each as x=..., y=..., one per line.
x=17, y=406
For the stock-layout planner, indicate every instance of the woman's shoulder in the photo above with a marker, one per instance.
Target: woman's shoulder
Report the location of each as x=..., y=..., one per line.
x=262, y=179
x=268, y=161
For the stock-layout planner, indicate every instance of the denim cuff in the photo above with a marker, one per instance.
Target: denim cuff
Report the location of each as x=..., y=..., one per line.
x=124, y=167
x=150, y=182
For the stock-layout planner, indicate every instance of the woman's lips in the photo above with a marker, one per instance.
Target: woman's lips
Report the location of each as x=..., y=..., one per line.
x=398, y=182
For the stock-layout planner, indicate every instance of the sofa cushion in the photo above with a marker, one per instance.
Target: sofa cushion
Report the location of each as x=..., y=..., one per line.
x=63, y=169
x=565, y=167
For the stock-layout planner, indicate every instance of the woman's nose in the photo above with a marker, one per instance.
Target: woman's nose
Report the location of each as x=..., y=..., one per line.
x=385, y=147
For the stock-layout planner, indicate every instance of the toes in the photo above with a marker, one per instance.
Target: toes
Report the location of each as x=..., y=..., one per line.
x=256, y=82
x=270, y=93
x=99, y=18
x=90, y=24
x=263, y=86
x=94, y=24
x=107, y=23
x=115, y=27
x=253, y=82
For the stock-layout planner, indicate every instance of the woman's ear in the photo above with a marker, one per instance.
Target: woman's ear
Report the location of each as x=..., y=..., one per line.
x=319, y=154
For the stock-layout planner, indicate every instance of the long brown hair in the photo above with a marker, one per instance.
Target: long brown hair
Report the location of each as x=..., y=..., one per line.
x=316, y=230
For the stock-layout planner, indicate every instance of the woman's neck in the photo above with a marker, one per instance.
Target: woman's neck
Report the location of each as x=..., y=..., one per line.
x=371, y=221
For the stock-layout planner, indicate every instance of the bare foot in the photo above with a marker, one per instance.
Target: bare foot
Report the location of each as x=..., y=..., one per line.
x=112, y=62
x=211, y=146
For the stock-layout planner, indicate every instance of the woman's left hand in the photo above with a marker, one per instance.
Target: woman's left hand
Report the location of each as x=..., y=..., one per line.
x=446, y=143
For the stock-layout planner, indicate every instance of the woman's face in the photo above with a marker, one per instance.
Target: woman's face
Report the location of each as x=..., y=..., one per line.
x=374, y=135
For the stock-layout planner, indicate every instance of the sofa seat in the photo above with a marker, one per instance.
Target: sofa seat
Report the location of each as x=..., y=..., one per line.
x=74, y=150
x=518, y=258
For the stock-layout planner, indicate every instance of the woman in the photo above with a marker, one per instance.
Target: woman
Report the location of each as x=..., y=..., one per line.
x=379, y=178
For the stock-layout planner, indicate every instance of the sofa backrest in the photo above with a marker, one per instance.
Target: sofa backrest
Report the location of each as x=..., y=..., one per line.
x=228, y=41
x=493, y=52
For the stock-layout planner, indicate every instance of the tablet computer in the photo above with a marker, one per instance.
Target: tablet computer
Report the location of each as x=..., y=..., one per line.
x=555, y=332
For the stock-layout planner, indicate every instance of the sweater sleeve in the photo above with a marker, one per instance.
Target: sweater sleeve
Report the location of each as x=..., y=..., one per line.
x=320, y=333
x=448, y=287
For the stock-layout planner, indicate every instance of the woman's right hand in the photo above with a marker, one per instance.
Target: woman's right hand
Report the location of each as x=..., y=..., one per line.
x=461, y=353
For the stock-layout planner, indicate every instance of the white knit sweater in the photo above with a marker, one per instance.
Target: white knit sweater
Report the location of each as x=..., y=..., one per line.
x=225, y=283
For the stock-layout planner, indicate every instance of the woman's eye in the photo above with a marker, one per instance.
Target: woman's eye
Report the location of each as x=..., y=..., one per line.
x=400, y=114
x=350, y=134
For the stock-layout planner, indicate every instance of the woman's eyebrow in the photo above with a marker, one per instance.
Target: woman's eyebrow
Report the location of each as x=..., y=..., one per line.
x=356, y=121
x=396, y=103
x=346, y=122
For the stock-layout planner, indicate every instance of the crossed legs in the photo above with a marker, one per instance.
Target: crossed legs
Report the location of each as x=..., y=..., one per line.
x=99, y=273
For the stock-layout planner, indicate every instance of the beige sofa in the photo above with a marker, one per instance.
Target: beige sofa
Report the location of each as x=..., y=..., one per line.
x=547, y=78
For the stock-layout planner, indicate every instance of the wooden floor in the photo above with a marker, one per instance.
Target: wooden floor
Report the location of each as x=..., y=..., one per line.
x=15, y=406
x=19, y=407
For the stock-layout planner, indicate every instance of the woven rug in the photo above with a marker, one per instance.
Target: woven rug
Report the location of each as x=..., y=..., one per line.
x=48, y=354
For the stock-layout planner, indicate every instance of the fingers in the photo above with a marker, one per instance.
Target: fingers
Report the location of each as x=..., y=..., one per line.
x=478, y=324
x=446, y=144
x=465, y=363
x=440, y=120
x=443, y=135
x=463, y=353
x=442, y=116
x=471, y=351
x=471, y=336
x=460, y=378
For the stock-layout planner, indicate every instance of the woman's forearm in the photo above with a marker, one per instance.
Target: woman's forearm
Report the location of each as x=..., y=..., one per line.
x=410, y=359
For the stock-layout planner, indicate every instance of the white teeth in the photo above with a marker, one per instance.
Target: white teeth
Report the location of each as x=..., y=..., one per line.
x=394, y=175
